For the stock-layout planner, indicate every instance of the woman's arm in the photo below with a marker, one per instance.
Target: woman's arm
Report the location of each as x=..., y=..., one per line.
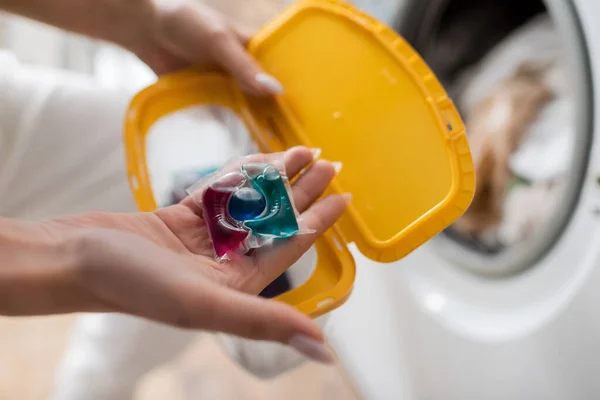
x=166, y=34
x=101, y=19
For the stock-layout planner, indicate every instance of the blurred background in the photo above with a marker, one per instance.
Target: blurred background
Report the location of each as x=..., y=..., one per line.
x=499, y=289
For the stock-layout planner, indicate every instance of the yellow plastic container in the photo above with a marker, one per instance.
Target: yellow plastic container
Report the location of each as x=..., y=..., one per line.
x=358, y=91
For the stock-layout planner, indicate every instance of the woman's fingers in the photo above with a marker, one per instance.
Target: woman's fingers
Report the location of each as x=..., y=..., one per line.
x=312, y=183
x=321, y=216
x=293, y=160
x=225, y=310
x=298, y=158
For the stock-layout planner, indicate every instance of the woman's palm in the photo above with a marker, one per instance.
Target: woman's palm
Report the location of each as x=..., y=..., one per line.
x=253, y=273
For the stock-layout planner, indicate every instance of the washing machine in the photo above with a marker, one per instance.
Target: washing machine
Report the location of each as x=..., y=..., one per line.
x=458, y=321
x=453, y=321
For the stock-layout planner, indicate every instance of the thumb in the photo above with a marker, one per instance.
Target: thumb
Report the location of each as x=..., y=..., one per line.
x=226, y=310
x=231, y=53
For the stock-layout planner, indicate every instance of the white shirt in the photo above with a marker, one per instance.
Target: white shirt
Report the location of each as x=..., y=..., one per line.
x=60, y=143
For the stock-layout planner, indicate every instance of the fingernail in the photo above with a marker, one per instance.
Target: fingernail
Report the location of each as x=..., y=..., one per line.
x=347, y=197
x=270, y=83
x=337, y=166
x=312, y=349
x=316, y=153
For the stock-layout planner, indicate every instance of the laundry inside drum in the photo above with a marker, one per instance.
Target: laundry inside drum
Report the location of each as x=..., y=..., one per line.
x=504, y=63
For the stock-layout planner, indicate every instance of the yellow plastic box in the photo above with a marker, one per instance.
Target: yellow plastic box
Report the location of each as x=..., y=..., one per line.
x=359, y=92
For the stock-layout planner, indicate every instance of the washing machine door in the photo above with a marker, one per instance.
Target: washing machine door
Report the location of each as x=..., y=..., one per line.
x=453, y=321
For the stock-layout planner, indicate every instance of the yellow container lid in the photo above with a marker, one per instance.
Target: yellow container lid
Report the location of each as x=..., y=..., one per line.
x=359, y=92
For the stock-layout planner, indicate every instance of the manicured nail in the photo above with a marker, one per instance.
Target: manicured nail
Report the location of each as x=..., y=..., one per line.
x=269, y=83
x=347, y=197
x=312, y=349
x=316, y=153
x=337, y=166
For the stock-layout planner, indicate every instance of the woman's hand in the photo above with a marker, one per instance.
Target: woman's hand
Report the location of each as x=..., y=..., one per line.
x=187, y=32
x=160, y=265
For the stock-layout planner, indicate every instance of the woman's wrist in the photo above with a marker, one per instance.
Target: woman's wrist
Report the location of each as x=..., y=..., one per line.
x=38, y=272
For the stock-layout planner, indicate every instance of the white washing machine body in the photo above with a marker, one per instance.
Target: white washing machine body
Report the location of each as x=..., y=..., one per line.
x=424, y=328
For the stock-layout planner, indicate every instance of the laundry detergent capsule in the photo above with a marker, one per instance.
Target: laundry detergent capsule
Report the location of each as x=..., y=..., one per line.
x=247, y=208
